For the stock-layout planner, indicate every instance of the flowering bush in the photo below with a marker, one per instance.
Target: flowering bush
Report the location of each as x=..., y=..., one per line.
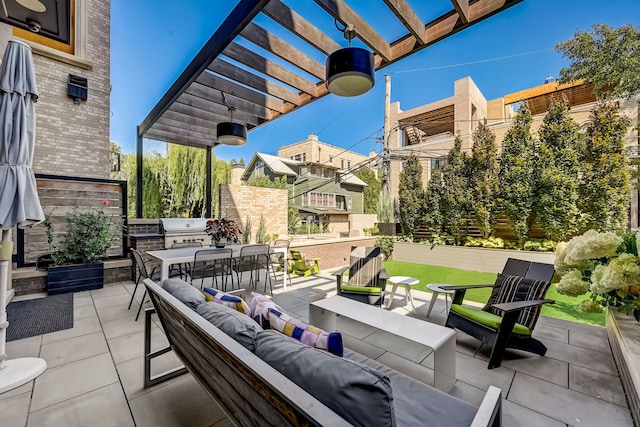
x=89, y=235
x=223, y=228
x=604, y=264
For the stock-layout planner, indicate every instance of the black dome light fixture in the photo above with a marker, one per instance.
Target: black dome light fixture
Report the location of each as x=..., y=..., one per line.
x=231, y=133
x=351, y=70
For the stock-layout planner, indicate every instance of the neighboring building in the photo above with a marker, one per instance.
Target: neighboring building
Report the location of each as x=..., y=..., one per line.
x=314, y=151
x=429, y=130
x=323, y=193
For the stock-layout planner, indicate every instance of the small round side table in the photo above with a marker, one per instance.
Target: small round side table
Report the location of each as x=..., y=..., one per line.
x=405, y=281
x=436, y=289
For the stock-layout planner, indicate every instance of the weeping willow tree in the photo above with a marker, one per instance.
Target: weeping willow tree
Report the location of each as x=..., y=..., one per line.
x=175, y=185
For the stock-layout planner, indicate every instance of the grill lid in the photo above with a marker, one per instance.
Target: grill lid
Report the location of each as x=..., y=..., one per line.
x=183, y=225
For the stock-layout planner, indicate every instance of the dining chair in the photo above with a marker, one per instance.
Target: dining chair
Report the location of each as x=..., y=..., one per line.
x=182, y=269
x=254, y=258
x=212, y=263
x=276, y=259
x=142, y=273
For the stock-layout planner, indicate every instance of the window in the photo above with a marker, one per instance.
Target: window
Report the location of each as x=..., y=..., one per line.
x=259, y=169
x=349, y=203
x=437, y=164
x=78, y=44
x=325, y=200
x=348, y=164
x=330, y=160
x=341, y=163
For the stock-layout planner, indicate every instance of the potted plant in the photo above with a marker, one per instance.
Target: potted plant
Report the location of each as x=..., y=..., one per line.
x=222, y=231
x=77, y=254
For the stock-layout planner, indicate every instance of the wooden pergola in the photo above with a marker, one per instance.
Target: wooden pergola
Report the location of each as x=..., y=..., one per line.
x=226, y=73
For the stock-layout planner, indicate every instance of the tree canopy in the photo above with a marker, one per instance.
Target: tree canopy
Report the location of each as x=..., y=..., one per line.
x=606, y=57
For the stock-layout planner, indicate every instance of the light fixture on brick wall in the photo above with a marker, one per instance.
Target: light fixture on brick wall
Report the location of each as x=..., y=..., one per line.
x=77, y=88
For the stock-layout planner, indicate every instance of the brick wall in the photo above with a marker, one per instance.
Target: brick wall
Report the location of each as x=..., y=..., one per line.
x=73, y=139
x=332, y=253
x=238, y=201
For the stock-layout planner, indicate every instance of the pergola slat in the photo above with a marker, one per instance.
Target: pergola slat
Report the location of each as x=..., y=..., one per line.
x=240, y=75
x=192, y=130
x=409, y=19
x=196, y=124
x=205, y=92
x=299, y=26
x=343, y=13
x=261, y=37
x=231, y=88
x=462, y=7
x=270, y=68
x=209, y=110
x=175, y=136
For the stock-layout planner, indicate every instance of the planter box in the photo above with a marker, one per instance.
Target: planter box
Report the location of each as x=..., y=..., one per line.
x=464, y=257
x=624, y=337
x=74, y=278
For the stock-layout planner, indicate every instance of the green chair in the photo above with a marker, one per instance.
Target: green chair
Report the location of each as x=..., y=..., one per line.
x=510, y=315
x=367, y=279
x=300, y=266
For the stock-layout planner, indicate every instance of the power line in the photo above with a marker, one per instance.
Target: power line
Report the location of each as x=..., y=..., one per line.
x=473, y=62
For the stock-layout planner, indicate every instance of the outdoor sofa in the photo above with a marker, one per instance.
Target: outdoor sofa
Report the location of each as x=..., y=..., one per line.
x=263, y=377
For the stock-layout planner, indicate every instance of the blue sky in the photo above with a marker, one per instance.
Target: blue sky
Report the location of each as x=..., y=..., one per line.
x=152, y=43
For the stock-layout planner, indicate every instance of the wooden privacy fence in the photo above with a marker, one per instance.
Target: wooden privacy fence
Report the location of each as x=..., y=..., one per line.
x=60, y=195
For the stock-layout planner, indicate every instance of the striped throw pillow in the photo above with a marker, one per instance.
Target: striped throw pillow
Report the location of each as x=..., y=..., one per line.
x=306, y=334
x=231, y=301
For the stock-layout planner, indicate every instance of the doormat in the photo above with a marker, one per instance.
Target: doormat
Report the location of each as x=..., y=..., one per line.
x=39, y=316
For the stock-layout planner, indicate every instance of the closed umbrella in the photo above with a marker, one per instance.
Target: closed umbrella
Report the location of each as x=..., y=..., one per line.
x=19, y=203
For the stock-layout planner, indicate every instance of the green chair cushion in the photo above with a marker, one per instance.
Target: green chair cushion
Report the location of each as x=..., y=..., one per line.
x=361, y=289
x=487, y=319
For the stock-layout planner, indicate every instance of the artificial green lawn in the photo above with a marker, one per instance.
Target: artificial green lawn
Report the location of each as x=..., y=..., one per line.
x=564, y=308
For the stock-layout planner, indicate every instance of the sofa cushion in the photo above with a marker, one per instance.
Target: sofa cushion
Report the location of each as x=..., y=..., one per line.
x=231, y=301
x=259, y=306
x=184, y=292
x=418, y=404
x=307, y=334
x=359, y=394
x=237, y=325
x=485, y=318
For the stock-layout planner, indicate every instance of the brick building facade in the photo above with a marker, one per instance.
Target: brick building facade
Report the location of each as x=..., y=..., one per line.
x=72, y=139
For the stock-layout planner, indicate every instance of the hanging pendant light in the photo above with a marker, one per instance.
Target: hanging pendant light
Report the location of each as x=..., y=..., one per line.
x=231, y=133
x=351, y=70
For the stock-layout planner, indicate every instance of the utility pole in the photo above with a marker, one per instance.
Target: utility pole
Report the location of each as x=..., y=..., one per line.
x=385, y=187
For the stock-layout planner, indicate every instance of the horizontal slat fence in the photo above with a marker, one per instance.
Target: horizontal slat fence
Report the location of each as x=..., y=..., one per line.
x=61, y=195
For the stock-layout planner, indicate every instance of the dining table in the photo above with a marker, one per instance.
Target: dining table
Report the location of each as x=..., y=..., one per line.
x=168, y=257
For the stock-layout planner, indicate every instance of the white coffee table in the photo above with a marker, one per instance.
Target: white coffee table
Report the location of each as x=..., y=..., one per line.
x=436, y=289
x=405, y=281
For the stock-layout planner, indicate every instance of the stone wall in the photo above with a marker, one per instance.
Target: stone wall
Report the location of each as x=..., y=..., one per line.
x=239, y=201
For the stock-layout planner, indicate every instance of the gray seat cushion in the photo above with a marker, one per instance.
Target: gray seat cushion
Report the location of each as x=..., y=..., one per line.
x=359, y=394
x=237, y=325
x=184, y=292
x=418, y=404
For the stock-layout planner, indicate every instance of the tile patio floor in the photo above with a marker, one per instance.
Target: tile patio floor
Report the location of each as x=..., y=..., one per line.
x=94, y=375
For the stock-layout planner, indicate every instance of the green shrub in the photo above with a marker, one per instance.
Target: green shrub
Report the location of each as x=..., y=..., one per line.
x=385, y=243
x=540, y=245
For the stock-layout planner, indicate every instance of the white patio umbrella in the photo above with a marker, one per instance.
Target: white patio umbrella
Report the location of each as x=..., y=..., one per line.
x=19, y=203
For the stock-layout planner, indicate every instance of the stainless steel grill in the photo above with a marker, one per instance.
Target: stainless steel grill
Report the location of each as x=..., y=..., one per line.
x=179, y=230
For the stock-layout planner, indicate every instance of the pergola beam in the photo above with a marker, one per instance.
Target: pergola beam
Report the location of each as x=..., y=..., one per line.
x=405, y=13
x=462, y=8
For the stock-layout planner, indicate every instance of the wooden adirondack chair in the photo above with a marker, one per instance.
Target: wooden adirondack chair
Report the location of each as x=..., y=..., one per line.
x=367, y=279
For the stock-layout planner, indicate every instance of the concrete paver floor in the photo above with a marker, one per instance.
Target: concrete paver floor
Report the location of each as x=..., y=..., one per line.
x=95, y=369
